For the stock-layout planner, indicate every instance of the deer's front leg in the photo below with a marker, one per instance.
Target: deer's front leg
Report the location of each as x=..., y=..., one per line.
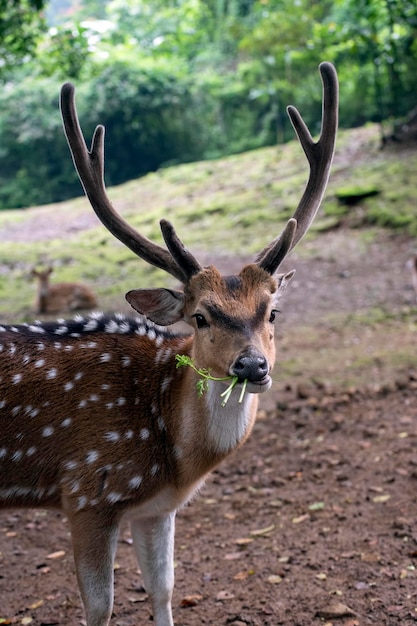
x=153, y=539
x=94, y=543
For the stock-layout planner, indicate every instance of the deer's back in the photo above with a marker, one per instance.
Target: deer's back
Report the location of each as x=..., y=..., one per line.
x=81, y=408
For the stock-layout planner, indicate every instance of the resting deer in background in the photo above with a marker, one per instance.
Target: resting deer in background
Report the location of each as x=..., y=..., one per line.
x=96, y=417
x=61, y=297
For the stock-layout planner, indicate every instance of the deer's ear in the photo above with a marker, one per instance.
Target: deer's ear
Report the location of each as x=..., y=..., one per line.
x=283, y=281
x=162, y=306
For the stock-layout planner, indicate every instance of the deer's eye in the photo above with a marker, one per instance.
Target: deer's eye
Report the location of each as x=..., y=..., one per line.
x=273, y=315
x=200, y=320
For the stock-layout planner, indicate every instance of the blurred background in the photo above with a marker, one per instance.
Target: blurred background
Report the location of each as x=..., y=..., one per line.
x=175, y=81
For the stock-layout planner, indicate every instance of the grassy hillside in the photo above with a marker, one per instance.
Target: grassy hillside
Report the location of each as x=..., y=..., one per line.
x=232, y=206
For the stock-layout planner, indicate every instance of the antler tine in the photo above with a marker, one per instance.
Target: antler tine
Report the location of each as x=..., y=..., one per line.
x=177, y=249
x=90, y=169
x=273, y=255
x=319, y=155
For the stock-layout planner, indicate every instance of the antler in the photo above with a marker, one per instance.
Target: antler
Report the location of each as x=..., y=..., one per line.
x=320, y=156
x=176, y=259
x=90, y=167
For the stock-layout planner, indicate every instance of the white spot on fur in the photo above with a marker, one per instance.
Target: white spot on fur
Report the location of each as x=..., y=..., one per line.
x=61, y=330
x=165, y=383
x=114, y=497
x=36, y=329
x=16, y=378
x=47, y=431
x=178, y=452
x=66, y=422
x=52, y=373
x=40, y=363
x=111, y=327
x=105, y=357
x=82, y=502
x=144, y=434
x=151, y=333
x=92, y=324
x=135, y=482
x=112, y=435
x=91, y=456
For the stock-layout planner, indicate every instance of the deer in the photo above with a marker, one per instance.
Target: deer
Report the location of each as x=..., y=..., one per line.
x=61, y=297
x=100, y=419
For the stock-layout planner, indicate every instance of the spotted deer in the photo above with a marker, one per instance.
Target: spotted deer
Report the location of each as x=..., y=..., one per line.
x=96, y=417
x=61, y=297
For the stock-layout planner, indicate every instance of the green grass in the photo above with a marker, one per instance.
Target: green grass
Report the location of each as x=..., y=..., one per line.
x=234, y=205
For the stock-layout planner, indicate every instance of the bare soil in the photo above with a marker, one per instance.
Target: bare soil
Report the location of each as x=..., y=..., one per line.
x=313, y=521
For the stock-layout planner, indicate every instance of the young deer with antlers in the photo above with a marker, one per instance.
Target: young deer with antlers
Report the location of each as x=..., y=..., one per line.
x=96, y=417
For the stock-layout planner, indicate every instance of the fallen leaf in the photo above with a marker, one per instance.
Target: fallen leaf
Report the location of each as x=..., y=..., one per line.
x=262, y=531
x=243, y=575
x=274, y=579
x=316, y=506
x=190, y=600
x=225, y=595
x=35, y=605
x=300, y=518
x=26, y=620
x=56, y=555
x=243, y=541
x=140, y=597
x=335, y=610
x=232, y=556
x=383, y=498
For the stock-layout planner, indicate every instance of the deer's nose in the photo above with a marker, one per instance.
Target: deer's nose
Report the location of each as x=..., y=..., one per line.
x=250, y=365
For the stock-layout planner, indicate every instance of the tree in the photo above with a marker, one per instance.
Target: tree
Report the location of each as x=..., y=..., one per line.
x=21, y=23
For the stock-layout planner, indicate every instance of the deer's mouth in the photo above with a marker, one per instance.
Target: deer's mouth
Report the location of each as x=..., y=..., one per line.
x=258, y=386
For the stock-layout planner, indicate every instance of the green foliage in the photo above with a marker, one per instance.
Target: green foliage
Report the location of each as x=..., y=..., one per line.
x=205, y=376
x=21, y=24
x=64, y=52
x=187, y=80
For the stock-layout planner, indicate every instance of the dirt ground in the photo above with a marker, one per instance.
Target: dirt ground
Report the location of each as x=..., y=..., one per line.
x=313, y=521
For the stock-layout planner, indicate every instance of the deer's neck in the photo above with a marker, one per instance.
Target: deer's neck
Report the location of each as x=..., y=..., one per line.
x=207, y=431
